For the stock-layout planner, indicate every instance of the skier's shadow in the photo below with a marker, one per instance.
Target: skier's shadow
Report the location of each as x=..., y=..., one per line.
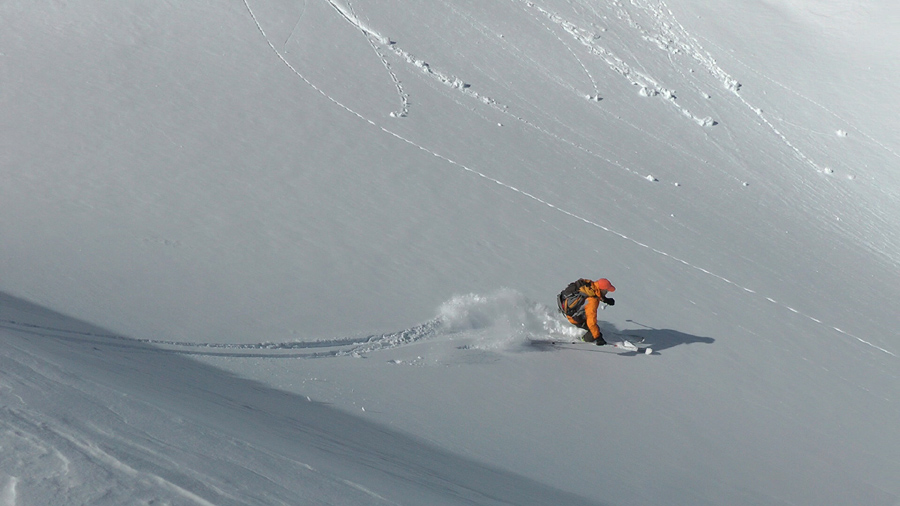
x=658, y=339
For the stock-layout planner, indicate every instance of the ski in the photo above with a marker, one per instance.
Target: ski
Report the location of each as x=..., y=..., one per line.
x=629, y=346
x=625, y=345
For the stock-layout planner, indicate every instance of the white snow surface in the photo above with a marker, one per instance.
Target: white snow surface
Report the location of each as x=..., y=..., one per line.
x=306, y=252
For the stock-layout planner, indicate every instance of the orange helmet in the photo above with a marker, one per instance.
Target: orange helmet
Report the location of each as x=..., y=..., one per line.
x=604, y=284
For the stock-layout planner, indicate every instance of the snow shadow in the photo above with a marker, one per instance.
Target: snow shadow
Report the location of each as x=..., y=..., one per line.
x=658, y=339
x=324, y=448
x=661, y=339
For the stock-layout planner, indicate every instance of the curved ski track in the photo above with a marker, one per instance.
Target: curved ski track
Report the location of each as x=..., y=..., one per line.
x=355, y=347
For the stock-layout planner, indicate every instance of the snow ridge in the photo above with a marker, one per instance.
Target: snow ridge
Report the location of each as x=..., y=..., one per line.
x=57, y=455
x=8, y=491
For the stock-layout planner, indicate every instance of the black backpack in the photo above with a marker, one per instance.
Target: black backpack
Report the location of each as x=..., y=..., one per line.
x=571, y=300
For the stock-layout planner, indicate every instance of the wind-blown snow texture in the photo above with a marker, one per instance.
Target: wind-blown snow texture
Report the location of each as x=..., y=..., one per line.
x=306, y=251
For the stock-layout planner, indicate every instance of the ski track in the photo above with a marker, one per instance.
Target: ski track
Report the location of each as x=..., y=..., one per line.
x=596, y=88
x=712, y=67
x=674, y=38
x=669, y=35
x=446, y=324
x=331, y=347
x=460, y=85
x=373, y=40
x=649, y=87
x=294, y=30
x=855, y=128
x=594, y=97
x=445, y=79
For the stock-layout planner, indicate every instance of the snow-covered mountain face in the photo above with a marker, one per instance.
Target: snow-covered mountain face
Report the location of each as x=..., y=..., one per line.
x=265, y=180
x=209, y=173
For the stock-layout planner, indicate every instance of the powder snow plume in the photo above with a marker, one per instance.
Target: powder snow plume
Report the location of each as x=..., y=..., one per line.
x=501, y=318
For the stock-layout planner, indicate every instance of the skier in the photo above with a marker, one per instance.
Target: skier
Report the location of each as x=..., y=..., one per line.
x=579, y=302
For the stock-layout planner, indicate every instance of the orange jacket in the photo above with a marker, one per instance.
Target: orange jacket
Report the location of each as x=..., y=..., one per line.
x=595, y=294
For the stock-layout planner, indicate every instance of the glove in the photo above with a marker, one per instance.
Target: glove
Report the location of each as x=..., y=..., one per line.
x=610, y=301
x=599, y=341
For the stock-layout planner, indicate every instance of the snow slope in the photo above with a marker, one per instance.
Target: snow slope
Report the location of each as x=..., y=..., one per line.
x=91, y=419
x=316, y=240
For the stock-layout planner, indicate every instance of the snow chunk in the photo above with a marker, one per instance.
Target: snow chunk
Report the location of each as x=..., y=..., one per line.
x=457, y=83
